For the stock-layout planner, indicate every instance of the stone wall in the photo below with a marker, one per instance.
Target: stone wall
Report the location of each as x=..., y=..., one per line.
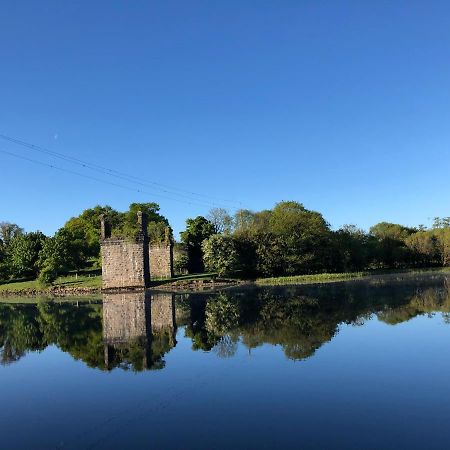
x=161, y=260
x=131, y=263
x=124, y=263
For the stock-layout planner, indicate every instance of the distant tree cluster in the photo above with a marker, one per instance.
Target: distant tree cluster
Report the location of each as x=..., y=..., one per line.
x=74, y=246
x=290, y=239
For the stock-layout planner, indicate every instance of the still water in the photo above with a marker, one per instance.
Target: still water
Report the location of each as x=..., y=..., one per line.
x=361, y=365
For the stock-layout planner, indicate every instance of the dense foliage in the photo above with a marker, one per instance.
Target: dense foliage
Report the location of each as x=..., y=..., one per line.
x=290, y=240
x=74, y=246
x=286, y=240
x=197, y=230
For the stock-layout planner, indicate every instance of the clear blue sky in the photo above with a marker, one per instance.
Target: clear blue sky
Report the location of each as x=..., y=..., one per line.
x=341, y=105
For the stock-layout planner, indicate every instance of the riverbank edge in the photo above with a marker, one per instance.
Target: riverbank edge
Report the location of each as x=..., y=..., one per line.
x=212, y=284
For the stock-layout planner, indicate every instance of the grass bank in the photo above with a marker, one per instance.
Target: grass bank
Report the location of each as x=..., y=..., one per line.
x=346, y=276
x=66, y=282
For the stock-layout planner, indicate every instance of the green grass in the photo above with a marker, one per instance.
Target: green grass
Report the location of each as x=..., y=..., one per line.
x=332, y=277
x=316, y=278
x=83, y=281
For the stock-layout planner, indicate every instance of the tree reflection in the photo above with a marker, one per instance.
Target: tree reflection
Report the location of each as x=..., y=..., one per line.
x=134, y=331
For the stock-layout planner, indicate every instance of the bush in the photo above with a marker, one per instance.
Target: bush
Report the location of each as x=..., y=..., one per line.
x=47, y=275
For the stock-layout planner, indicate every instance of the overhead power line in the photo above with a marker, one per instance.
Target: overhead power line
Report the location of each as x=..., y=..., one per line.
x=111, y=183
x=126, y=177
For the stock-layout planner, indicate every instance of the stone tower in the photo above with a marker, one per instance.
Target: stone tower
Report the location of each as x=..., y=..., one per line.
x=161, y=257
x=125, y=262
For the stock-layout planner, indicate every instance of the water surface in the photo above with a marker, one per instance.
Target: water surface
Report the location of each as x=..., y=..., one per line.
x=350, y=365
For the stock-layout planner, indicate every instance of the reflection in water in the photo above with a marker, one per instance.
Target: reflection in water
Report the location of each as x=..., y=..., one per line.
x=134, y=331
x=138, y=329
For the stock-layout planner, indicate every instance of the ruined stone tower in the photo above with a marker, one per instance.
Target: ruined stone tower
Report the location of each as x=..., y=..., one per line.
x=161, y=257
x=125, y=262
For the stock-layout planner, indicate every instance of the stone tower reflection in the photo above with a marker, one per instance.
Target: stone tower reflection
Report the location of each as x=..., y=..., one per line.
x=139, y=328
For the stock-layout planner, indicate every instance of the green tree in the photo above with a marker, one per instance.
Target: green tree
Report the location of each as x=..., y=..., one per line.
x=392, y=250
x=302, y=236
x=243, y=221
x=128, y=224
x=60, y=254
x=197, y=230
x=353, y=249
x=24, y=253
x=86, y=228
x=219, y=254
x=8, y=231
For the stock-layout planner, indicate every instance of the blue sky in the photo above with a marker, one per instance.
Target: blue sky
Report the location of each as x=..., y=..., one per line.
x=341, y=105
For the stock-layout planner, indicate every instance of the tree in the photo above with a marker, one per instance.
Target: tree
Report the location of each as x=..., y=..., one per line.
x=86, y=227
x=60, y=254
x=353, y=249
x=442, y=237
x=391, y=250
x=441, y=222
x=303, y=237
x=244, y=220
x=221, y=220
x=159, y=232
x=423, y=248
x=219, y=254
x=197, y=230
x=24, y=253
x=129, y=226
x=8, y=231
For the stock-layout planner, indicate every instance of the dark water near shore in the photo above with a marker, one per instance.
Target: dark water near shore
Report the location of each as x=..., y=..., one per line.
x=350, y=365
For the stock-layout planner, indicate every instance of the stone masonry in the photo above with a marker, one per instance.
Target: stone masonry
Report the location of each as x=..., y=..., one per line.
x=132, y=263
x=125, y=263
x=161, y=260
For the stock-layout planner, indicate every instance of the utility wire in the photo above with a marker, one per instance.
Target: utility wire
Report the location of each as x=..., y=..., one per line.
x=62, y=169
x=120, y=175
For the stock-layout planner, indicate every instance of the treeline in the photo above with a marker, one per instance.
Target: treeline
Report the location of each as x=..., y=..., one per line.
x=290, y=240
x=74, y=246
x=285, y=240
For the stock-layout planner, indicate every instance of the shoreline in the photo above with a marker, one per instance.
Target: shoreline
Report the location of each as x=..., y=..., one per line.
x=212, y=284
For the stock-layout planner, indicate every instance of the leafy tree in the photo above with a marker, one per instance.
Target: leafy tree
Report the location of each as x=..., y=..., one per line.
x=442, y=237
x=244, y=220
x=300, y=236
x=180, y=259
x=8, y=231
x=221, y=220
x=392, y=250
x=441, y=222
x=24, y=253
x=197, y=230
x=86, y=228
x=353, y=249
x=159, y=232
x=129, y=227
x=219, y=254
x=423, y=248
x=60, y=254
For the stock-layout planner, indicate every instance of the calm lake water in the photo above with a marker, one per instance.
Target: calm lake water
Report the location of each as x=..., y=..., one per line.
x=361, y=365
